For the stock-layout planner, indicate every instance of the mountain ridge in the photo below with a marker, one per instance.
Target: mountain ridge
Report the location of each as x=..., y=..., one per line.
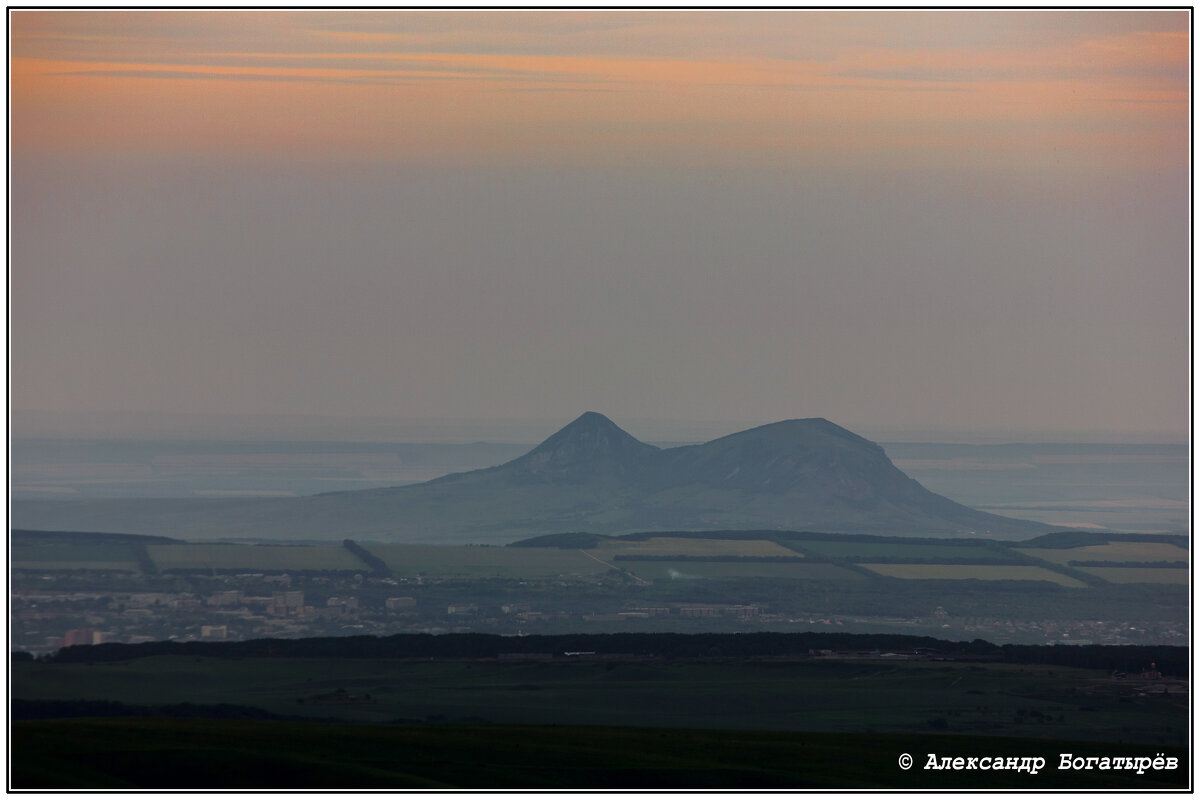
x=798, y=474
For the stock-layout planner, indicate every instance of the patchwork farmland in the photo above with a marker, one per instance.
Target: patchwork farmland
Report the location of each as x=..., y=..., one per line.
x=651, y=557
x=157, y=588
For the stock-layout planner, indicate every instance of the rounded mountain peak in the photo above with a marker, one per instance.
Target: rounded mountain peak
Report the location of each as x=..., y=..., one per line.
x=812, y=456
x=810, y=431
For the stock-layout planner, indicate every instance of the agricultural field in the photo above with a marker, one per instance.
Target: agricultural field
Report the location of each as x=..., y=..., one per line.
x=702, y=570
x=981, y=572
x=95, y=566
x=486, y=562
x=681, y=546
x=254, y=558
x=1112, y=551
x=1139, y=574
x=107, y=557
x=909, y=553
x=660, y=558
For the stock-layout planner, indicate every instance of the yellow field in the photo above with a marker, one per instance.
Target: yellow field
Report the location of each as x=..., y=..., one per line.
x=1138, y=574
x=1113, y=551
x=981, y=572
x=675, y=546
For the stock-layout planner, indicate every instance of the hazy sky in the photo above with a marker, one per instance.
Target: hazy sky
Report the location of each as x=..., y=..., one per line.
x=893, y=219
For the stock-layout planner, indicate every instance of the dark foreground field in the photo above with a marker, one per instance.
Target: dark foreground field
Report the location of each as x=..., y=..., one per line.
x=218, y=754
x=868, y=695
x=578, y=721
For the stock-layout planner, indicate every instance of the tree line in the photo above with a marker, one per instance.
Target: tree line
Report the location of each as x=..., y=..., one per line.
x=1170, y=660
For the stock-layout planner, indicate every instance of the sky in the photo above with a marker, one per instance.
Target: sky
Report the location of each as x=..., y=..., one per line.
x=898, y=220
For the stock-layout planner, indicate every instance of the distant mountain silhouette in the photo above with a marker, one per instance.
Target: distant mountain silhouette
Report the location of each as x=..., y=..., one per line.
x=590, y=447
x=803, y=474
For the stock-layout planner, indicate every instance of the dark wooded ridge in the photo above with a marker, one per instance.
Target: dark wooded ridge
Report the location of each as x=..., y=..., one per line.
x=1170, y=660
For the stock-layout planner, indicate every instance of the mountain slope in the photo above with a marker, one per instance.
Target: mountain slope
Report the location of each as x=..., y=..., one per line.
x=590, y=448
x=805, y=474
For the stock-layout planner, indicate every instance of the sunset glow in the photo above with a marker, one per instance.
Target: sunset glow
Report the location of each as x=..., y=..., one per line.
x=961, y=218
x=128, y=80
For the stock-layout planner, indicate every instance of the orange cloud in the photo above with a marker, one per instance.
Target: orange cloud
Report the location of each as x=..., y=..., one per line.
x=1092, y=95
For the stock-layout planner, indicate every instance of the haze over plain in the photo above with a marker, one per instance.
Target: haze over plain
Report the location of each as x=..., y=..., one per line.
x=969, y=220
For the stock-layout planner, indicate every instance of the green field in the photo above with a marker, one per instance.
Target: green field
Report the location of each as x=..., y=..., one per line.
x=487, y=562
x=97, y=566
x=74, y=552
x=253, y=558
x=116, y=557
x=680, y=546
x=1139, y=574
x=1113, y=551
x=909, y=553
x=981, y=572
x=695, y=570
x=140, y=753
x=912, y=560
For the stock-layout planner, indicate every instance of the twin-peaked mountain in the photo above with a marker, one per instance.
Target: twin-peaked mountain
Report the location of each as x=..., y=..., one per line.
x=807, y=474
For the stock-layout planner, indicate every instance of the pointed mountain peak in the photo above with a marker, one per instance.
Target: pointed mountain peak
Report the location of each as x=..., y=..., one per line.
x=584, y=443
x=592, y=419
x=592, y=434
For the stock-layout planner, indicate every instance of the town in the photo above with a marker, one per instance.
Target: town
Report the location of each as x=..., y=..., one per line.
x=51, y=610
